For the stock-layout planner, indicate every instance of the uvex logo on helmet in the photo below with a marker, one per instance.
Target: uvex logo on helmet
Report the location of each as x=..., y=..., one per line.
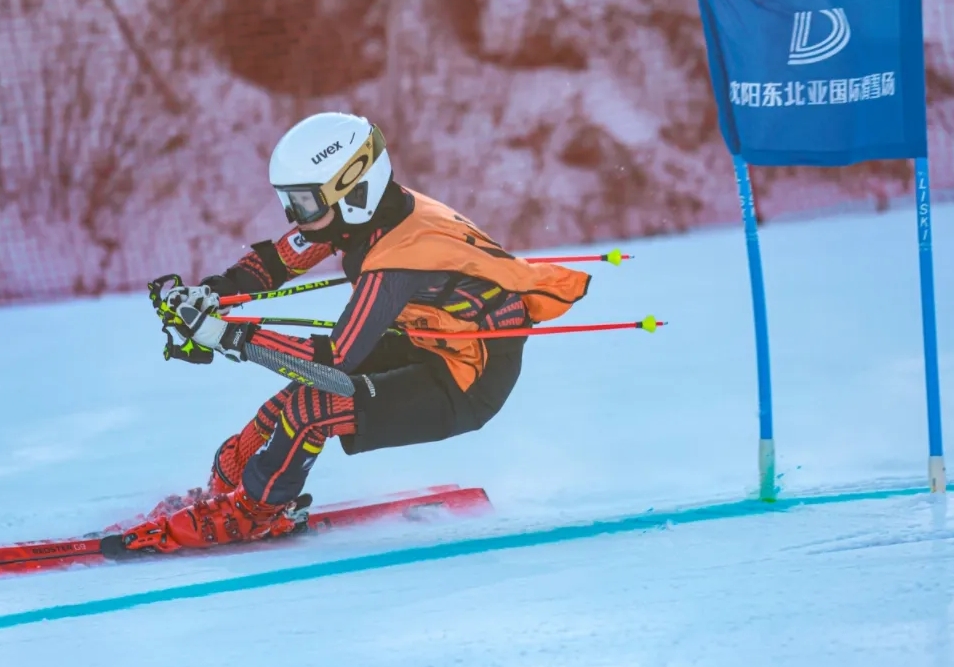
x=329, y=151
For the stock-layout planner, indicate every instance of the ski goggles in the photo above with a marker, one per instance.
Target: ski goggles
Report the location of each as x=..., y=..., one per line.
x=307, y=202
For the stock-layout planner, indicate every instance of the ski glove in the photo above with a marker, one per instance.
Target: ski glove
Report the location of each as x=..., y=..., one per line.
x=197, y=310
x=211, y=332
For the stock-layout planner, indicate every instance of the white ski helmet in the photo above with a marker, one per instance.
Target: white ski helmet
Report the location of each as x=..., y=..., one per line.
x=327, y=159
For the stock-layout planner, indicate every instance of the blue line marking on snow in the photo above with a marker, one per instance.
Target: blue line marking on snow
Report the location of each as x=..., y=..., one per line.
x=466, y=547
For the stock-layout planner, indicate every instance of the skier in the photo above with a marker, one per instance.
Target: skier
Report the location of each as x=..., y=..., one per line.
x=414, y=263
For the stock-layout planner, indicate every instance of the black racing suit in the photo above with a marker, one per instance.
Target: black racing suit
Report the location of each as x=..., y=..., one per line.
x=415, y=398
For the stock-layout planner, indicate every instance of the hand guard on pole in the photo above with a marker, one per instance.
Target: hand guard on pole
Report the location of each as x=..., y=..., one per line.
x=221, y=286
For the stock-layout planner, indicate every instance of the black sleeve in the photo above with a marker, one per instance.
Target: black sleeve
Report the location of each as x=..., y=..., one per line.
x=378, y=298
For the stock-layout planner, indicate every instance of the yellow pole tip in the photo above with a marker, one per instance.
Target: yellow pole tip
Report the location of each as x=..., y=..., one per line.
x=615, y=257
x=649, y=323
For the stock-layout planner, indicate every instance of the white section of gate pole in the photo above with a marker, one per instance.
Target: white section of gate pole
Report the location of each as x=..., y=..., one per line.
x=937, y=474
x=767, y=469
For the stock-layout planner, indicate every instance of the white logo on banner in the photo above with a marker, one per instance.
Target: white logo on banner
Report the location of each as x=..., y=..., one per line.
x=800, y=53
x=813, y=93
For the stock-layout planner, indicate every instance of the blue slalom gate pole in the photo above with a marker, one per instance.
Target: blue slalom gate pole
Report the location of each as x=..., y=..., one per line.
x=766, y=439
x=936, y=472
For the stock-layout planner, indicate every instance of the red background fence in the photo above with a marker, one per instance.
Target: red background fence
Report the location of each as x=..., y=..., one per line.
x=135, y=135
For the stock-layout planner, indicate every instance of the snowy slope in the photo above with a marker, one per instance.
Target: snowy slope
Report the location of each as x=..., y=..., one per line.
x=95, y=426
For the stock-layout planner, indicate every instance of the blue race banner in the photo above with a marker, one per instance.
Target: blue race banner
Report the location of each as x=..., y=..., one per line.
x=818, y=82
x=824, y=83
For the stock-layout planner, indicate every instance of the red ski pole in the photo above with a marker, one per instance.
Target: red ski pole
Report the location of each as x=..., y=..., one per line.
x=648, y=323
x=614, y=257
x=285, y=291
x=281, y=321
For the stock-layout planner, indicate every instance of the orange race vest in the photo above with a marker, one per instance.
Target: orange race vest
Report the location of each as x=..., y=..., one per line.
x=434, y=237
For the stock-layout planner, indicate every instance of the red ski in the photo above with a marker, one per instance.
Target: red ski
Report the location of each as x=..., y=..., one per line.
x=33, y=556
x=408, y=506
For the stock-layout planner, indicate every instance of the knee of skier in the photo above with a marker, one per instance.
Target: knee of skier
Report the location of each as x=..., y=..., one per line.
x=319, y=415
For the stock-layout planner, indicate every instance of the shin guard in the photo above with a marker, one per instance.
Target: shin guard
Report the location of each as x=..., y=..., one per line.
x=276, y=474
x=233, y=455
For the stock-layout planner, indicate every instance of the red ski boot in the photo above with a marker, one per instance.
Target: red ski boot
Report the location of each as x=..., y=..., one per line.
x=175, y=502
x=220, y=519
x=218, y=483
